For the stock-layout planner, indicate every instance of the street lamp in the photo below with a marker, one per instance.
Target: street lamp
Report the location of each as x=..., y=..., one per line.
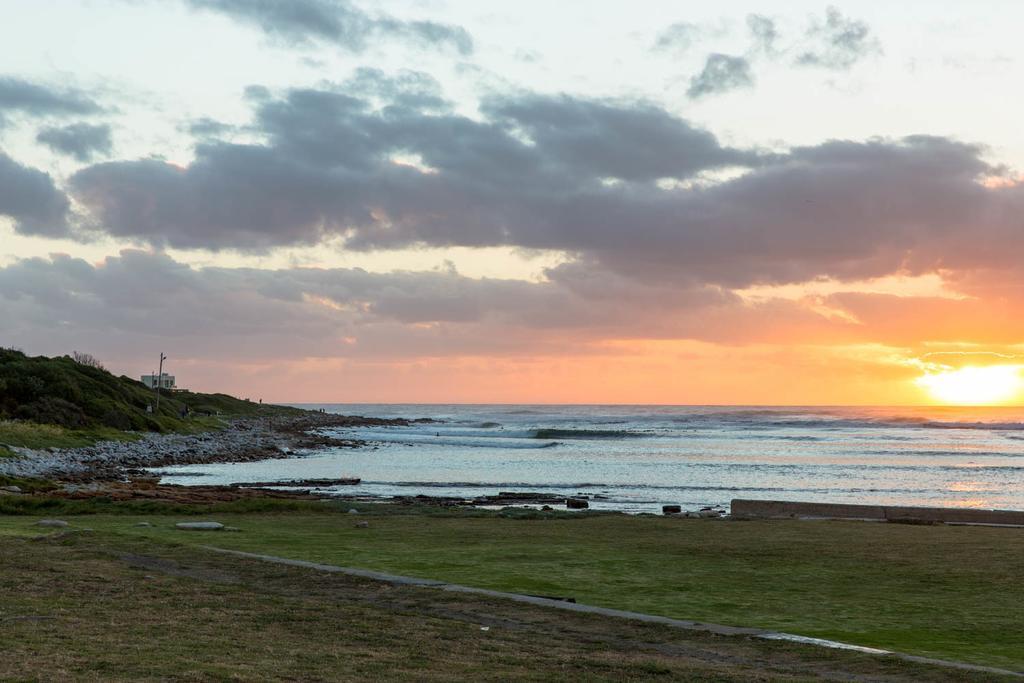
x=159, y=381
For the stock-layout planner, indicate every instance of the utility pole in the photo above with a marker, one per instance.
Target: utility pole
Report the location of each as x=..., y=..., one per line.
x=159, y=381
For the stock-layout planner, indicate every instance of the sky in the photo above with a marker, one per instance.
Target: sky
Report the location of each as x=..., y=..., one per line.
x=531, y=202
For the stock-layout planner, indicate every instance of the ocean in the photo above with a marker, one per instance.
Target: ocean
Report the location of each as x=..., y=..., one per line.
x=638, y=458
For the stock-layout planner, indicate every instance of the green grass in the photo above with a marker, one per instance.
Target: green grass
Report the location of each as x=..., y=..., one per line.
x=948, y=592
x=36, y=436
x=110, y=605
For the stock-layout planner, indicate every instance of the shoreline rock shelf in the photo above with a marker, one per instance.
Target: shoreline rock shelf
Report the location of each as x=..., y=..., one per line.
x=241, y=440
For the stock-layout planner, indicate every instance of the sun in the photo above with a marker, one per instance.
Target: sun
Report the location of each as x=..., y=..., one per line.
x=973, y=385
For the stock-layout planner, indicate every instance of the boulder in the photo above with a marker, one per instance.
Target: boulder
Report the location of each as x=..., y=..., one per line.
x=577, y=503
x=353, y=511
x=199, y=526
x=671, y=509
x=53, y=523
x=11, y=489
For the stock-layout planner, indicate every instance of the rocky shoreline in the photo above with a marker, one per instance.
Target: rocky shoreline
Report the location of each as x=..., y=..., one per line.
x=242, y=440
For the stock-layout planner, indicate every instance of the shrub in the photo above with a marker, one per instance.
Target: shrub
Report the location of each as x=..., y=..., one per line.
x=53, y=410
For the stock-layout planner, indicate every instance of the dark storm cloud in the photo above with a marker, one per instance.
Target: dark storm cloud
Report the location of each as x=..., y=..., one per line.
x=837, y=43
x=336, y=22
x=24, y=97
x=721, y=73
x=30, y=198
x=587, y=177
x=82, y=141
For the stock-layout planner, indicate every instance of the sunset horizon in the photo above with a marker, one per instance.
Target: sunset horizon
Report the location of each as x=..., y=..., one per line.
x=392, y=204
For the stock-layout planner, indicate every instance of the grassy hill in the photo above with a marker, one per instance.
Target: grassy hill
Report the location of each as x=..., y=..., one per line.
x=63, y=401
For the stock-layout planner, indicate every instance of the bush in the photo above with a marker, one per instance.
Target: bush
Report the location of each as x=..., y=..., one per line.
x=52, y=410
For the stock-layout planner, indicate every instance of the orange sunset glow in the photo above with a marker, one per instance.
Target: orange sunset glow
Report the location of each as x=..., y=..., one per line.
x=400, y=231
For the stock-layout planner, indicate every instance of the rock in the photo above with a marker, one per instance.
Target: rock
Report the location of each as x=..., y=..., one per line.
x=547, y=508
x=362, y=525
x=576, y=503
x=353, y=511
x=53, y=523
x=671, y=509
x=11, y=489
x=199, y=526
x=143, y=524
x=708, y=514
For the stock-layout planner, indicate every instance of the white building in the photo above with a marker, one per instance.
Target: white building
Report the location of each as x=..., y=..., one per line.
x=164, y=381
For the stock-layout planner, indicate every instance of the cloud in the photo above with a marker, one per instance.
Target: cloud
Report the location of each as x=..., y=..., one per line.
x=124, y=305
x=838, y=43
x=30, y=198
x=300, y=312
x=678, y=37
x=329, y=168
x=623, y=186
x=629, y=141
x=335, y=22
x=721, y=73
x=205, y=127
x=406, y=89
x=24, y=97
x=81, y=141
x=763, y=32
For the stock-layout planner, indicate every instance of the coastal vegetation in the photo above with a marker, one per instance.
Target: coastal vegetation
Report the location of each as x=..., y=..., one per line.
x=70, y=402
x=935, y=591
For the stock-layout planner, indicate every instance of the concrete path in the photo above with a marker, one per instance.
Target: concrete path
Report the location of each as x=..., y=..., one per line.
x=684, y=624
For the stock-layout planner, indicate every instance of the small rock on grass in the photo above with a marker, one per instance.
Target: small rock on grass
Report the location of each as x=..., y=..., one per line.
x=199, y=526
x=362, y=525
x=353, y=511
x=53, y=523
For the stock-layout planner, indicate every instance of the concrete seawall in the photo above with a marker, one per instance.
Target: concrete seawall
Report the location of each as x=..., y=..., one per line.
x=782, y=509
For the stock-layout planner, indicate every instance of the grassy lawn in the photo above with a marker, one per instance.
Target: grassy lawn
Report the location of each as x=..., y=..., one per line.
x=947, y=592
x=111, y=606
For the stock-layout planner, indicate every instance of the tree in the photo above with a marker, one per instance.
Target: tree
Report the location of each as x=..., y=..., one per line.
x=87, y=359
